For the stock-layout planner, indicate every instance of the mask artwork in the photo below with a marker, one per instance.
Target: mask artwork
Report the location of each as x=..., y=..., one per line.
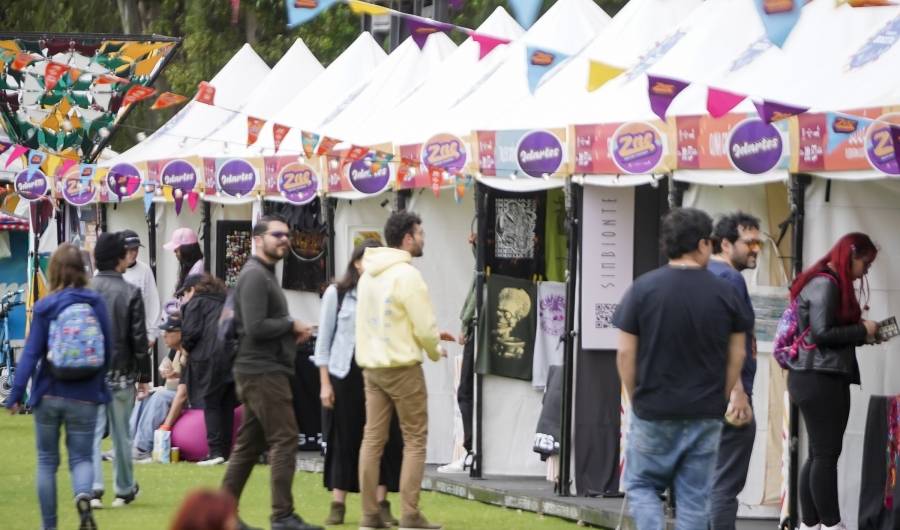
x=516, y=222
x=514, y=306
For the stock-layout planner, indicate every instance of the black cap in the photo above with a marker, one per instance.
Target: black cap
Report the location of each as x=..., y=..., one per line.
x=173, y=323
x=189, y=282
x=132, y=240
x=109, y=246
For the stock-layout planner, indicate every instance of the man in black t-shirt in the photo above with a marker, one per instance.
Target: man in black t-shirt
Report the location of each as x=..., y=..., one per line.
x=681, y=350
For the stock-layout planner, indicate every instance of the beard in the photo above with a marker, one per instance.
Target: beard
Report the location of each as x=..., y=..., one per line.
x=275, y=252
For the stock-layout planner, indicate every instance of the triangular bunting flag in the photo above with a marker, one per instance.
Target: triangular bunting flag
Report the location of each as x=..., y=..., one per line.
x=52, y=74
x=770, y=111
x=355, y=153
x=779, y=17
x=137, y=93
x=720, y=102
x=206, y=93
x=310, y=140
x=279, y=132
x=403, y=169
x=192, y=200
x=149, y=192
x=539, y=63
x=462, y=184
x=421, y=28
x=21, y=61
x=325, y=146
x=525, y=11
x=841, y=127
x=601, y=74
x=302, y=11
x=35, y=159
x=16, y=152
x=109, y=79
x=254, y=127
x=178, y=202
x=67, y=163
x=487, y=43
x=436, y=177
x=663, y=92
x=167, y=99
x=365, y=8
x=378, y=160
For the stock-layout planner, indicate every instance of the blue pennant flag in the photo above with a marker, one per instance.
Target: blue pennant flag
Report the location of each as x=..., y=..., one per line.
x=302, y=11
x=841, y=127
x=525, y=11
x=35, y=159
x=148, y=195
x=539, y=63
x=779, y=17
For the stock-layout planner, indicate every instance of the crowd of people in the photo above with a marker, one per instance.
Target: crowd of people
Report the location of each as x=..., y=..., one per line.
x=686, y=362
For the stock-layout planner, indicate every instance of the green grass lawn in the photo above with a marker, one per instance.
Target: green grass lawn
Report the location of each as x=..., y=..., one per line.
x=164, y=486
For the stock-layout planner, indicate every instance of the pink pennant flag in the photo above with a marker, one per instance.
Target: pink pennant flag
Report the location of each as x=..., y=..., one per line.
x=16, y=152
x=720, y=102
x=66, y=165
x=487, y=43
x=192, y=200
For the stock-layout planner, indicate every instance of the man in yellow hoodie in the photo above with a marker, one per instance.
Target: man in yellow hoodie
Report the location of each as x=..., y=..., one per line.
x=394, y=323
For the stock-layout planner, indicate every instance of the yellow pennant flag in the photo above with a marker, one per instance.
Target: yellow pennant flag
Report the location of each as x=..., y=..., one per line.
x=601, y=74
x=365, y=8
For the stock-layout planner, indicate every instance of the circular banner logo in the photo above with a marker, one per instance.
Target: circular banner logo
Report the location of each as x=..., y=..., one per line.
x=362, y=179
x=539, y=152
x=637, y=147
x=755, y=146
x=180, y=175
x=298, y=182
x=31, y=189
x=880, y=147
x=446, y=151
x=236, y=177
x=123, y=180
x=76, y=191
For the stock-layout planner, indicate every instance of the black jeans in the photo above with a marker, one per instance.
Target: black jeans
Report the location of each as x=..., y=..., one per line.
x=824, y=401
x=732, y=465
x=218, y=413
x=465, y=394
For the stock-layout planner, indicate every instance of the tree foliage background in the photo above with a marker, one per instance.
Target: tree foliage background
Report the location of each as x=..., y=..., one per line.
x=210, y=37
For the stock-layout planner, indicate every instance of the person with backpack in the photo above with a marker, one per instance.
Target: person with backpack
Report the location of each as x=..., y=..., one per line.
x=66, y=356
x=344, y=399
x=822, y=362
x=210, y=367
x=130, y=367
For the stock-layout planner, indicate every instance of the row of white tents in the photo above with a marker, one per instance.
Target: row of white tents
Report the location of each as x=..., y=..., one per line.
x=366, y=97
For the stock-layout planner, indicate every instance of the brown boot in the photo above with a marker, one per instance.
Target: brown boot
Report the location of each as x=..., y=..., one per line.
x=417, y=522
x=336, y=517
x=386, y=513
x=371, y=522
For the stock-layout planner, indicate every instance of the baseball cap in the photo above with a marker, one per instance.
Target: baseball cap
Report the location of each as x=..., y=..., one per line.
x=173, y=323
x=189, y=282
x=182, y=236
x=132, y=240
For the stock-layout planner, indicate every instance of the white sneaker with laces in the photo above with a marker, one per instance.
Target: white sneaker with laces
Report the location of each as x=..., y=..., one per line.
x=460, y=466
x=839, y=526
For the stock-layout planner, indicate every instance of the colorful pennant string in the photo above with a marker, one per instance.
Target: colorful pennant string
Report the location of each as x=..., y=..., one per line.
x=720, y=102
x=525, y=11
x=167, y=99
x=278, y=134
x=421, y=28
x=663, y=92
x=771, y=111
x=487, y=43
x=600, y=74
x=842, y=127
x=540, y=62
x=779, y=18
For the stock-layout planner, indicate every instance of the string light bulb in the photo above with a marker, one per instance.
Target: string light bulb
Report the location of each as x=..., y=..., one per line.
x=226, y=150
x=514, y=175
x=412, y=172
x=177, y=193
x=367, y=162
x=159, y=192
x=141, y=136
x=283, y=194
x=123, y=190
x=615, y=180
x=182, y=143
x=654, y=182
x=301, y=159
x=546, y=176
x=238, y=195
x=104, y=132
x=478, y=175
x=67, y=125
x=333, y=164
x=445, y=175
x=148, y=188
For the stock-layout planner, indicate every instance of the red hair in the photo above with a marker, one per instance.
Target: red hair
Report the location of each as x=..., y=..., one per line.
x=853, y=245
x=206, y=510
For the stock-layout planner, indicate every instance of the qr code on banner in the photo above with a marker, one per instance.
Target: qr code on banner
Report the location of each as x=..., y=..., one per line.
x=603, y=314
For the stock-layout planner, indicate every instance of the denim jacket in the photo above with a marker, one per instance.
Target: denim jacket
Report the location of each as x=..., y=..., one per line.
x=335, y=343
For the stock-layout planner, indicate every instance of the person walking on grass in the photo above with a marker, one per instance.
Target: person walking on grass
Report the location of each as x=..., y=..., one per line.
x=130, y=368
x=267, y=342
x=681, y=348
x=344, y=399
x=56, y=398
x=394, y=322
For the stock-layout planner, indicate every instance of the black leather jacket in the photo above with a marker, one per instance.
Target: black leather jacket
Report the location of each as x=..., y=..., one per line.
x=126, y=314
x=829, y=348
x=210, y=367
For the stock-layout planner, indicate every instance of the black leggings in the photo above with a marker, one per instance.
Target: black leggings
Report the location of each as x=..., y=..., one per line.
x=824, y=402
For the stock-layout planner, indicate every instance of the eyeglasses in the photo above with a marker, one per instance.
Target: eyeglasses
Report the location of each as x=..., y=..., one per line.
x=279, y=235
x=753, y=244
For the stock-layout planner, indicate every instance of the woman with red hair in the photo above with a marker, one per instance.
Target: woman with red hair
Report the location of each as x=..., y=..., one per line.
x=207, y=510
x=825, y=367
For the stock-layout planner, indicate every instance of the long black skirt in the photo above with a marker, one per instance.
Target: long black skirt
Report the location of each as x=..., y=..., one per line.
x=343, y=428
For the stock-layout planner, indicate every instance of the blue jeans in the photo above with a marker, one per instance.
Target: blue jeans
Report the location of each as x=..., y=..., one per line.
x=118, y=413
x=676, y=454
x=79, y=418
x=148, y=416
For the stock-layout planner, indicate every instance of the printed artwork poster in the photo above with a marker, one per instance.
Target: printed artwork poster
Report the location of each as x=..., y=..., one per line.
x=515, y=233
x=304, y=266
x=607, y=262
x=509, y=318
x=356, y=234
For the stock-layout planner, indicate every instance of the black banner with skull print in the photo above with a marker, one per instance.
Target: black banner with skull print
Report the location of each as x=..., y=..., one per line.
x=509, y=321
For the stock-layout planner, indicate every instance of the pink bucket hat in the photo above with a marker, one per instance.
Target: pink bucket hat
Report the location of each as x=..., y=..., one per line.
x=181, y=237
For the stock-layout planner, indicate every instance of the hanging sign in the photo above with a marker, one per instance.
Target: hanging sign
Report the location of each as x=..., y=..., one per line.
x=287, y=177
x=755, y=146
x=880, y=147
x=123, y=180
x=31, y=187
x=445, y=150
x=539, y=153
x=637, y=147
x=236, y=177
x=361, y=178
x=77, y=187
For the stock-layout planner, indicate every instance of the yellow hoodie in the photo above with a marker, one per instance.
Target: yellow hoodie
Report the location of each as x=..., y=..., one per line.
x=394, y=316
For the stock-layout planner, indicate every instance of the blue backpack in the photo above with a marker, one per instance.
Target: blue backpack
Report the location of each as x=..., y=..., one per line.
x=75, y=349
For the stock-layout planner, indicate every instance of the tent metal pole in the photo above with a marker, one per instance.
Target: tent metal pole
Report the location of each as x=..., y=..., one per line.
x=329, y=204
x=207, y=237
x=101, y=216
x=481, y=199
x=151, y=251
x=571, y=339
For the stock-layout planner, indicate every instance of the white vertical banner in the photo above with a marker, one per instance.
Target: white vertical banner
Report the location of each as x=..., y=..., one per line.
x=607, y=261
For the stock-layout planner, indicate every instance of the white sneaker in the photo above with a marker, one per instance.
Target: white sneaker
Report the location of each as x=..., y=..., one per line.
x=839, y=526
x=804, y=527
x=460, y=466
x=210, y=460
